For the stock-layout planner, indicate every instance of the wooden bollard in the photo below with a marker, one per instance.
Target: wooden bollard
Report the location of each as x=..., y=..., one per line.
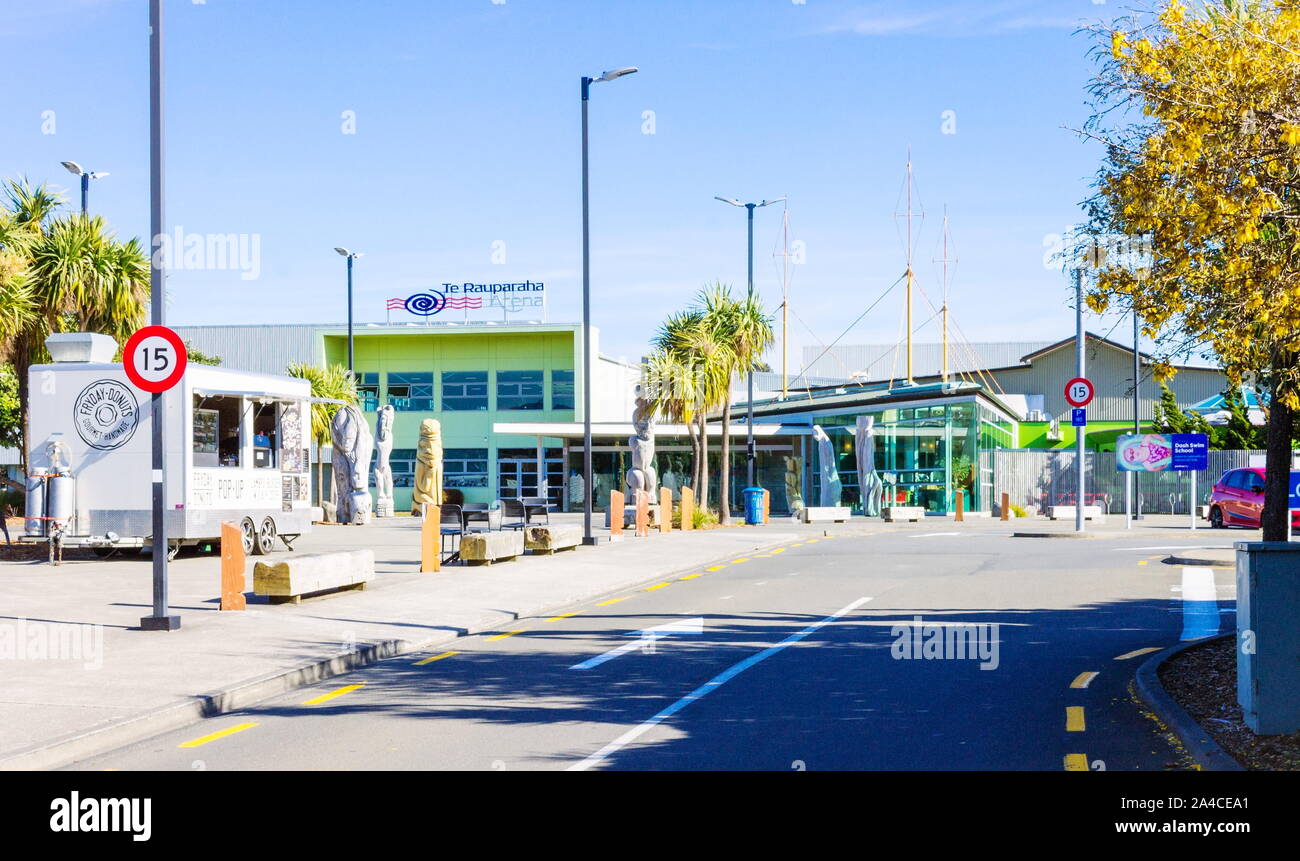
x=232, y=567
x=1006, y=506
x=665, y=510
x=767, y=504
x=617, y=511
x=688, y=508
x=961, y=506
x=431, y=540
x=642, y=514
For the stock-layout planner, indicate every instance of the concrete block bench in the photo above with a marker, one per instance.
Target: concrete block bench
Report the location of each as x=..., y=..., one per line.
x=826, y=514
x=548, y=539
x=1066, y=512
x=484, y=548
x=900, y=513
x=295, y=577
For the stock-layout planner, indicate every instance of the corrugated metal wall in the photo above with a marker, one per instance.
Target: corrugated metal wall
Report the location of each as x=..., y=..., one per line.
x=1038, y=479
x=263, y=349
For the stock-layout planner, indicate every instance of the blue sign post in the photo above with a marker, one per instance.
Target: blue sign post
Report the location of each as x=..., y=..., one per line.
x=1079, y=417
x=1293, y=495
x=1191, y=452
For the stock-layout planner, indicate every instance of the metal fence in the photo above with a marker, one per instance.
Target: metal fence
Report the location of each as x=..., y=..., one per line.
x=1037, y=479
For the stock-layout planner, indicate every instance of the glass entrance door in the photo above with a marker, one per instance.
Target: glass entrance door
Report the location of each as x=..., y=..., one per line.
x=517, y=478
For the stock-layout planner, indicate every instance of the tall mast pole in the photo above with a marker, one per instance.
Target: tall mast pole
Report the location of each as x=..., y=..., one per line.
x=785, y=304
x=909, y=264
x=943, y=311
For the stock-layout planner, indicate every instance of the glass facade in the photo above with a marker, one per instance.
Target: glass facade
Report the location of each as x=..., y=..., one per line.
x=562, y=391
x=923, y=454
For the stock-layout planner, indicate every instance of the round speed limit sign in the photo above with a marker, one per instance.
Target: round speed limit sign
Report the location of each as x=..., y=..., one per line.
x=1079, y=392
x=154, y=359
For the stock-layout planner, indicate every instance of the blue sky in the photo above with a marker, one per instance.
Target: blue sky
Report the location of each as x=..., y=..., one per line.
x=466, y=135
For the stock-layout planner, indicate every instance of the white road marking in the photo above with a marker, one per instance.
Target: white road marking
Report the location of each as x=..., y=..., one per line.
x=709, y=687
x=645, y=640
x=934, y=534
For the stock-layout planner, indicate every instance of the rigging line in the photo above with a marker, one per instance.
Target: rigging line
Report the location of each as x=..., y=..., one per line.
x=821, y=343
x=975, y=360
x=879, y=299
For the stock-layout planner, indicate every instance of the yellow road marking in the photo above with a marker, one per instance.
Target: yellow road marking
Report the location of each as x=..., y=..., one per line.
x=562, y=616
x=716, y=568
x=1083, y=680
x=613, y=601
x=324, y=698
x=657, y=586
x=812, y=541
x=692, y=576
x=1076, y=762
x=506, y=634
x=738, y=561
x=1074, y=721
x=1133, y=654
x=779, y=550
x=1142, y=562
x=424, y=661
x=216, y=735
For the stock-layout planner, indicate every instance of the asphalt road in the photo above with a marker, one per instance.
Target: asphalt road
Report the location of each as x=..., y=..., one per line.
x=785, y=660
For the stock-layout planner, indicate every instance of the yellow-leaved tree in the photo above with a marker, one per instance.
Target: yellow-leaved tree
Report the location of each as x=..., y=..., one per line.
x=1199, y=110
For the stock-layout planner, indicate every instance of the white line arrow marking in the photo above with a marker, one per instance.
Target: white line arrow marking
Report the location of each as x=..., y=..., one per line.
x=645, y=641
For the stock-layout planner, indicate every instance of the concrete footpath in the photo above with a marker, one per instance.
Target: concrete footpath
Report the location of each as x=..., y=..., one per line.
x=80, y=677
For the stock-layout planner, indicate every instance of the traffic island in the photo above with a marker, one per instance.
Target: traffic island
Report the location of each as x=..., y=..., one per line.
x=1192, y=688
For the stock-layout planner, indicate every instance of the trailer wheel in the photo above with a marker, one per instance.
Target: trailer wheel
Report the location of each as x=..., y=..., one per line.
x=265, y=537
x=248, y=536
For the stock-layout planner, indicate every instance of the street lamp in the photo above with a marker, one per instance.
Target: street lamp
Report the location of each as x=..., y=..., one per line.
x=86, y=177
x=588, y=486
x=750, y=455
x=350, y=255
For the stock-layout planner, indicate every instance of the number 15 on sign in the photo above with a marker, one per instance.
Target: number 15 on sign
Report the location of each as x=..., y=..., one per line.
x=1079, y=392
x=154, y=359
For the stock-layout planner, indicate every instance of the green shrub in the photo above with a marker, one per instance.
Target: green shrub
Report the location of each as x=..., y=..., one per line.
x=703, y=519
x=1018, y=511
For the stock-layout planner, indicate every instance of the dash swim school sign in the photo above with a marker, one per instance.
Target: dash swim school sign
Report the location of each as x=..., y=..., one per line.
x=512, y=298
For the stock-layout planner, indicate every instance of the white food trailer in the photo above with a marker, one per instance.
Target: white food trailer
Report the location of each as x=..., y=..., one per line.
x=236, y=450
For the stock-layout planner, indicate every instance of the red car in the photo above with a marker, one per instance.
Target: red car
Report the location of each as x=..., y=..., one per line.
x=1238, y=500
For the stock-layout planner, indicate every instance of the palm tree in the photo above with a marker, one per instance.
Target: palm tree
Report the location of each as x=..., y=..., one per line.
x=743, y=332
x=699, y=359
x=334, y=382
x=66, y=273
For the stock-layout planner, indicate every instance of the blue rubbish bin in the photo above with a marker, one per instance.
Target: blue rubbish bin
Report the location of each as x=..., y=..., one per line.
x=753, y=506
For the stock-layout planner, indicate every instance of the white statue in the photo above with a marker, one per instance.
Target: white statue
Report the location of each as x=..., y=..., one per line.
x=642, y=475
x=831, y=487
x=869, y=484
x=352, y=445
x=383, y=469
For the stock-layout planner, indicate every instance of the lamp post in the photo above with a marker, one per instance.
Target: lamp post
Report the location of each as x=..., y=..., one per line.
x=750, y=456
x=86, y=176
x=588, y=486
x=350, y=255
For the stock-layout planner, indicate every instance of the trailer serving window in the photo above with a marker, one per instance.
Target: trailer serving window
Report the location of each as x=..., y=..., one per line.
x=265, y=430
x=218, y=431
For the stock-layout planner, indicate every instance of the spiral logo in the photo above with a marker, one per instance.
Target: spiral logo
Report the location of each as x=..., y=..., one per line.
x=426, y=304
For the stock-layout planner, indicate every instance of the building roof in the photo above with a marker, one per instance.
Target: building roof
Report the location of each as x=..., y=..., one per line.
x=886, y=362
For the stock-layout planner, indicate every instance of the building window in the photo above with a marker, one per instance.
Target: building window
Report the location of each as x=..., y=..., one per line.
x=411, y=391
x=520, y=390
x=402, y=461
x=562, y=393
x=218, y=431
x=464, y=391
x=465, y=467
x=368, y=390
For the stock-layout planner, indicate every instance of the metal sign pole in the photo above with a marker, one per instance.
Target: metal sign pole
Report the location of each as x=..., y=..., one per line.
x=159, y=621
x=1080, y=433
x=1192, y=504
